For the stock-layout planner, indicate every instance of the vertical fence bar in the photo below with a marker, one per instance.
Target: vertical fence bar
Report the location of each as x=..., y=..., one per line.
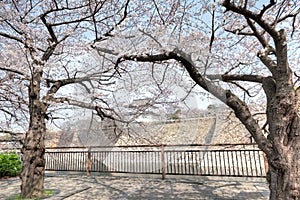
x=170, y=163
x=197, y=158
x=228, y=162
x=216, y=162
x=251, y=163
x=260, y=163
x=220, y=162
x=237, y=162
x=152, y=161
x=255, y=162
x=185, y=168
x=192, y=162
x=59, y=161
x=146, y=161
x=246, y=161
x=125, y=155
x=157, y=161
x=211, y=163
x=242, y=162
x=200, y=162
x=136, y=159
x=205, y=162
x=177, y=161
x=233, y=162
x=224, y=162
x=120, y=161
x=174, y=162
x=142, y=162
x=66, y=160
x=163, y=173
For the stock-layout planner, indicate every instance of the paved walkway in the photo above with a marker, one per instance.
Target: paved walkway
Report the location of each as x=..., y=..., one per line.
x=125, y=187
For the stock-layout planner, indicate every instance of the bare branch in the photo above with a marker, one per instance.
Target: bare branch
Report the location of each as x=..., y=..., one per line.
x=109, y=32
x=12, y=37
x=212, y=36
x=242, y=88
x=104, y=50
x=12, y=70
x=157, y=9
x=57, y=84
x=255, y=17
x=49, y=28
x=150, y=36
x=266, y=7
x=20, y=32
x=100, y=111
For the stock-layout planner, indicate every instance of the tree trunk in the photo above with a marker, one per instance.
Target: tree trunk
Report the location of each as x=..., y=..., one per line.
x=284, y=132
x=284, y=178
x=33, y=150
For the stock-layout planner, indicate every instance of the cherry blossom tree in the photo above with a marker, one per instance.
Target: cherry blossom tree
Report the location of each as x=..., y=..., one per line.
x=239, y=51
x=45, y=48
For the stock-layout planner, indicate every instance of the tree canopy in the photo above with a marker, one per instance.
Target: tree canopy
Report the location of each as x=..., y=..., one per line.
x=245, y=53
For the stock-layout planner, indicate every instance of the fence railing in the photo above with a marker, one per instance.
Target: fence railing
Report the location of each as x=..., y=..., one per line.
x=243, y=160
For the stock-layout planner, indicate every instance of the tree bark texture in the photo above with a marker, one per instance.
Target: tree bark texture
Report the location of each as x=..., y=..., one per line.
x=284, y=168
x=284, y=131
x=33, y=150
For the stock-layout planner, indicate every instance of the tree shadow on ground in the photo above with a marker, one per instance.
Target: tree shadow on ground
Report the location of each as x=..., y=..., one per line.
x=141, y=188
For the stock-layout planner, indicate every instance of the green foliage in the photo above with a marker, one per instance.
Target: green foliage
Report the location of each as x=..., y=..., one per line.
x=47, y=194
x=10, y=164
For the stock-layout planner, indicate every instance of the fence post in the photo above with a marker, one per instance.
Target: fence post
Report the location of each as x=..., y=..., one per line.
x=163, y=172
x=88, y=162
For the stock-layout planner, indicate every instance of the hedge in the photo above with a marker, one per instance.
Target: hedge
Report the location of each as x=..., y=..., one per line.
x=10, y=164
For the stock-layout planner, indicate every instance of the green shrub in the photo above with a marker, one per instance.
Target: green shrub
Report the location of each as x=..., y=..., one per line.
x=10, y=164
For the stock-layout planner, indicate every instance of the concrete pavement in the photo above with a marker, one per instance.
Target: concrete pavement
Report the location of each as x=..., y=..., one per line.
x=126, y=187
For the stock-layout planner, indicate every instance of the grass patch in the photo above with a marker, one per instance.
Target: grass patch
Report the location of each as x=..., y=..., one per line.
x=47, y=193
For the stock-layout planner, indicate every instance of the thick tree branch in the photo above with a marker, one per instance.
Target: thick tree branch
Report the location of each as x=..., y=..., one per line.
x=263, y=55
x=256, y=33
x=240, y=108
x=281, y=55
x=53, y=40
x=57, y=84
x=236, y=77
